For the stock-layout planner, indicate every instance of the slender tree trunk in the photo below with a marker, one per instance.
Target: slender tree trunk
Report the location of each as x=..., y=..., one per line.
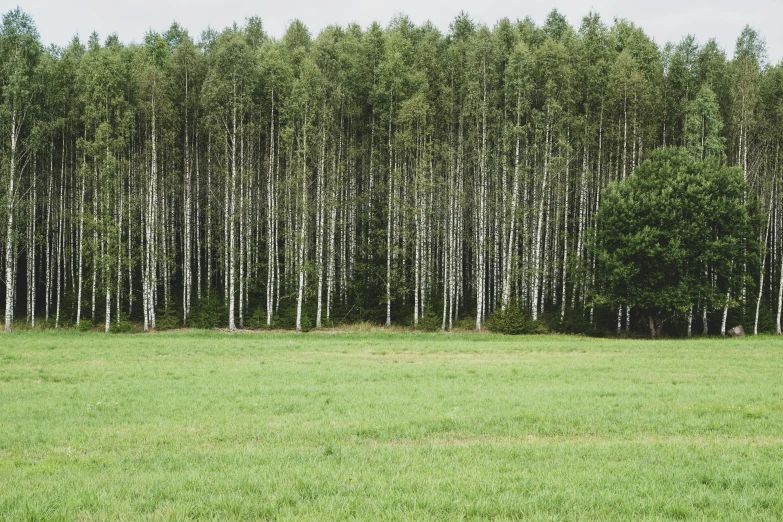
x=209, y=214
x=319, y=247
x=9, y=238
x=271, y=217
x=60, y=237
x=119, y=252
x=482, y=191
x=31, y=250
x=389, y=225
x=230, y=219
x=780, y=300
x=96, y=181
x=705, y=329
x=150, y=224
x=725, y=314
x=763, y=266
x=330, y=273
x=81, y=252
x=242, y=228
x=187, y=283
x=303, y=229
x=539, y=226
x=726, y=307
x=563, y=299
x=507, y=262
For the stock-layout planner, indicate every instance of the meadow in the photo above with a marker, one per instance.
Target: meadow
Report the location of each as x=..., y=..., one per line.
x=202, y=425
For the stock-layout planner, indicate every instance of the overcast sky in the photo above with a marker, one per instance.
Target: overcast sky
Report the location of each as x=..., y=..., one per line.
x=664, y=20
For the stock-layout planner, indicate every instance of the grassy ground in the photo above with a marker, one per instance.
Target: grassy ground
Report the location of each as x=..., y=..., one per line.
x=401, y=426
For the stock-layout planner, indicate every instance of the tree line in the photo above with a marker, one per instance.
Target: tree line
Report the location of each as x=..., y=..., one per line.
x=396, y=175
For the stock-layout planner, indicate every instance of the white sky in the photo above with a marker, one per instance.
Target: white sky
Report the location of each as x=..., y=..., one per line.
x=664, y=20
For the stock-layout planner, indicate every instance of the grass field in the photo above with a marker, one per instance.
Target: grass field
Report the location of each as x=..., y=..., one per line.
x=391, y=426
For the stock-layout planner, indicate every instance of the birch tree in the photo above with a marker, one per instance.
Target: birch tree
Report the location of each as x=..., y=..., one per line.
x=19, y=55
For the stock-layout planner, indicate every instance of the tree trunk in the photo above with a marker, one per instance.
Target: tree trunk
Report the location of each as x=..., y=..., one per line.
x=270, y=195
x=539, y=227
x=655, y=325
x=187, y=247
x=231, y=218
x=389, y=226
x=81, y=252
x=9, y=237
x=482, y=192
x=303, y=229
x=319, y=247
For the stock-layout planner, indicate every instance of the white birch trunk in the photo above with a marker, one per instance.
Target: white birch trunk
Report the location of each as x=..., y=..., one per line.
x=230, y=269
x=480, y=262
x=539, y=226
x=242, y=228
x=563, y=299
x=187, y=250
x=303, y=229
x=94, y=244
x=319, y=247
x=725, y=314
x=81, y=253
x=507, y=262
x=388, y=228
x=780, y=301
x=31, y=253
x=763, y=265
x=270, y=193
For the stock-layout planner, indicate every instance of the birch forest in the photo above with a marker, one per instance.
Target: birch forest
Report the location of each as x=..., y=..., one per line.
x=396, y=175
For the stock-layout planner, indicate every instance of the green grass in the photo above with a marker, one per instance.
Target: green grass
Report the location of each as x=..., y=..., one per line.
x=392, y=426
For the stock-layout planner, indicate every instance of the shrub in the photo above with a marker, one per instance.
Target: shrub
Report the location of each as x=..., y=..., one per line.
x=85, y=325
x=209, y=312
x=429, y=321
x=512, y=321
x=286, y=315
x=464, y=323
x=574, y=322
x=257, y=319
x=327, y=323
x=123, y=326
x=167, y=321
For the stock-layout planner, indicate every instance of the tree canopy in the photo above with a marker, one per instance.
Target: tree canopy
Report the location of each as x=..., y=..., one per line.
x=395, y=174
x=676, y=234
